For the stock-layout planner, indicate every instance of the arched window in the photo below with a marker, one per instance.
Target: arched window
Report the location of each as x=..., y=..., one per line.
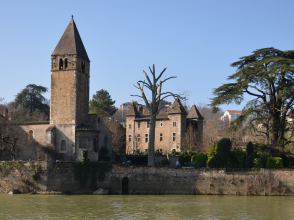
x=65, y=64
x=83, y=66
x=63, y=145
x=83, y=143
x=60, y=64
x=96, y=144
x=31, y=135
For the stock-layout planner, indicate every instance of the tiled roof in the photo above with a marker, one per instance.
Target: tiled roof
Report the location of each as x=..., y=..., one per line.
x=234, y=112
x=194, y=113
x=177, y=108
x=71, y=43
x=84, y=127
x=132, y=110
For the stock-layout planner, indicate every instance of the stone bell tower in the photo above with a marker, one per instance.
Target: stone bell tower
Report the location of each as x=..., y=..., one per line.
x=70, y=72
x=69, y=105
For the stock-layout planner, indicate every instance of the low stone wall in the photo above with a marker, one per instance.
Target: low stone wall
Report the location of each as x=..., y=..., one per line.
x=58, y=178
x=146, y=180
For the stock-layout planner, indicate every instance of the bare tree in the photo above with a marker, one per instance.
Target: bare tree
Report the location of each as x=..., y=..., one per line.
x=153, y=106
x=119, y=136
x=190, y=140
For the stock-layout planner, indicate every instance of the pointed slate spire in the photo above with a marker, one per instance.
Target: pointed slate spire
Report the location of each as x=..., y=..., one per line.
x=194, y=113
x=132, y=110
x=71, y=42
x=177, y=108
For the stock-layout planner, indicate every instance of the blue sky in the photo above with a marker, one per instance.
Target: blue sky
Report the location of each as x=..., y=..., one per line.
x=196, y=40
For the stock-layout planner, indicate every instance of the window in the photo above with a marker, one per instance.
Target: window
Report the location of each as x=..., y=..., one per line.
x=146, y=138
x=160, y=137
x=146, y=150
x=83, y=143
x=105, y=141
x=65, y=64
x=138, y=138
x=174, y=124
x=63, y=145
x=148, y=124
x=174, y=136
x=60, y=64
x=31, y=134
x=161, y=124
x=130, y=126
x=96, y=144
x=130, y=138
x=138, y=124
x=83, y=66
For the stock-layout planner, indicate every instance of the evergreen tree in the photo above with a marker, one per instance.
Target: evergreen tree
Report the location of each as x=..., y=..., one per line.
x=268, y=77
x=102, y=104
x=31, y=98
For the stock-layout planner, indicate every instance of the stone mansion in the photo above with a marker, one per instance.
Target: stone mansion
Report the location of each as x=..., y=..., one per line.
x=170, y=129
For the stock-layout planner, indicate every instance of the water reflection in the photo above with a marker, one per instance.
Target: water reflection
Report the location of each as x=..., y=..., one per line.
x=144, y=207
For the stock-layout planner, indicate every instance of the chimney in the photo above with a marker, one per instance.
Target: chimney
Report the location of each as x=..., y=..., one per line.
x=140, y=109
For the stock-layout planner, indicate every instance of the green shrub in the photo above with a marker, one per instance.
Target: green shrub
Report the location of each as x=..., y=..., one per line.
x=35, y=176
x=274, y=162
x=84, y=155
x=223, y=150
x=186, y=157
x=249, y=163
x=237, y=158
x=158, y=153
x=174, y=152
x=199, y=160
x=103, y=151
x=216, y=162
x=211, y=151
x=249, y=148
x=261, y=160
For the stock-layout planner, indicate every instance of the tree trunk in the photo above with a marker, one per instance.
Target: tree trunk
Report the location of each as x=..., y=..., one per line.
x=151, y=141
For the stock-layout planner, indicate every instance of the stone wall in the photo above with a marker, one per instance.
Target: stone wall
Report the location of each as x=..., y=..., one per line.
x=59, y=178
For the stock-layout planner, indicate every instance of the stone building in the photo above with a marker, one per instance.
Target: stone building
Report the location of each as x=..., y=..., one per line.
x=231, y=115
x=71, y=128
x=171, y=125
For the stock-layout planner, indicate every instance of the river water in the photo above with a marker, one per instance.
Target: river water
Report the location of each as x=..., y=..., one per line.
x=145, y=207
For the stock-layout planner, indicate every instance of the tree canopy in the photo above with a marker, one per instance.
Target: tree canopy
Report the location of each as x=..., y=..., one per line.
x=102, y=104
x=267, y=76
x=32, y=99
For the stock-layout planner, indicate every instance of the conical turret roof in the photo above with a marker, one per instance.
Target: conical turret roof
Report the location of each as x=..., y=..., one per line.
x=132, y=110
x=177, y=108
x=194, y=113
x=71, y=42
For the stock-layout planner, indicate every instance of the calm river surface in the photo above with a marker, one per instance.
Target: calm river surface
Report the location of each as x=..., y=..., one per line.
x=145, y=207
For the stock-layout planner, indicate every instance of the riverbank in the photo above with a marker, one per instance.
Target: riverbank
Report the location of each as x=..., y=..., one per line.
x=59, y=178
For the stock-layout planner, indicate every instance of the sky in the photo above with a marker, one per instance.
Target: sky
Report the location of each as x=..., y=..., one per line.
x=196, y=40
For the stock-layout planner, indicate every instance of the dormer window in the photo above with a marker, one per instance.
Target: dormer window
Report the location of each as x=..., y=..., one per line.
x=65, y=64
x=60, y=64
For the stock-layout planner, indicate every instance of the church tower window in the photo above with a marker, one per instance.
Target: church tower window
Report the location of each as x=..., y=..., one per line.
x=83, y=66
x=60, y=64
x=65, y=64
